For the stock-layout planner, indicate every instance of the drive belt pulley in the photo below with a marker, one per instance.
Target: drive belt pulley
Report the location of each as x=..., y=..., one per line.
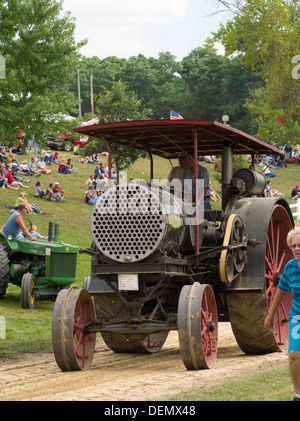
x=233, y=257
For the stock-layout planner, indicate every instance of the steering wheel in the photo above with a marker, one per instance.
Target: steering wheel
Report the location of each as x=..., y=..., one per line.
x=28, y=224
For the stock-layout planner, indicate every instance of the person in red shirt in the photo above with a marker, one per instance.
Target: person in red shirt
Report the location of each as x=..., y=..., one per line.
x=54, y=158
x=63, y=168
x=12, y=183
x=61, y=191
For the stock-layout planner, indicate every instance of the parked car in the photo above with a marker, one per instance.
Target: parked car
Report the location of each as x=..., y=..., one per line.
x=64, y=143
x=81, y=142
x=59, y=142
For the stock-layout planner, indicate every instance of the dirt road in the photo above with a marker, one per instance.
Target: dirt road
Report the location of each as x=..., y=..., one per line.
x=126, y=377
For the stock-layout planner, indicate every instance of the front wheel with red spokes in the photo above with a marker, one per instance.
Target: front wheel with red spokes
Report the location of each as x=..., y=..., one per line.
x=197, y=326
x=73, y=347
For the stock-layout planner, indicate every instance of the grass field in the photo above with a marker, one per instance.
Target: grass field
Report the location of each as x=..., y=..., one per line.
x=29, y=331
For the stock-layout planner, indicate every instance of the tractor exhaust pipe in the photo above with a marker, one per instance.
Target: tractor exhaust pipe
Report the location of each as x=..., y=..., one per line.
x=56, y=230
x=50, y=232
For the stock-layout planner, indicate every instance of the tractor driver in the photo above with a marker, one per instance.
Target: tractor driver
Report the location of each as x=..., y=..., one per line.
x=15, y=225
x=203, y=174
x=176, y=172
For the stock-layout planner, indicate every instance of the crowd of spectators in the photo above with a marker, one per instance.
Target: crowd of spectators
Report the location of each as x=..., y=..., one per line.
x=13, y=175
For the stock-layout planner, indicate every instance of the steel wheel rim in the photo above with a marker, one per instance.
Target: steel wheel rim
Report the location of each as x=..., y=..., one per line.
x=198, y=326
x=73, y=311
x=277, y=255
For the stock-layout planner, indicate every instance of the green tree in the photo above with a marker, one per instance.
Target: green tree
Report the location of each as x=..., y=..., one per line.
x=170, y=85
x=103, y=73
x=118, y=104
x=142, y=79
x=237, y=86
x=265, y=35
x=202, y=72
x=40, y=54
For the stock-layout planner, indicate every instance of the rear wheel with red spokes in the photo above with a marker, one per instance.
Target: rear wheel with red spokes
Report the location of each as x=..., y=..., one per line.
x=121, y=343
x=248, y=308
x=277, y=255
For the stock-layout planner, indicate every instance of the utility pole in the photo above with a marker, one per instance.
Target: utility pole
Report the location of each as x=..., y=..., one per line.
x=79, y=95
x=92, y=96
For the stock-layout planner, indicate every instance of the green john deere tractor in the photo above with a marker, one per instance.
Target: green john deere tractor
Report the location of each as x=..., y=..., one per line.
x=41, y=268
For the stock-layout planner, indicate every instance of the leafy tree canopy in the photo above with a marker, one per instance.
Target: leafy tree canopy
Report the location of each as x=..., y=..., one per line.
x=118, y=104
x=265, y=36
x=40, y=56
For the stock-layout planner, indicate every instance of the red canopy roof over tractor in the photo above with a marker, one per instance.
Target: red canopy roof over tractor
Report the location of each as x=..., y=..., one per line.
x=169, y=138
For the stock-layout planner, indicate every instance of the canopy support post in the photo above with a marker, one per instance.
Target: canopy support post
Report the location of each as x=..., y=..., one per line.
x=226, y=172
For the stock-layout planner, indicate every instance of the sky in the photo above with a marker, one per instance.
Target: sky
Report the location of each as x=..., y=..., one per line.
x=126, y=28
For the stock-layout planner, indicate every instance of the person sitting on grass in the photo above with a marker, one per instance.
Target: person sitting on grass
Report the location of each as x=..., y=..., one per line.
x=71, y=166
x=89, y=182
x=22, y=199
x=49, y=194
x=295, y=194
x=214, y=195
x=15, y=173
x=47, y=158
x=269, y=191
x=12, y=182
x=88, y=160
x=3, y=154
x=30, y=207
x=103, y=173
x=59, y=193
x=58, y=197
x=3, y=179
x=31, y=168
x=54, y=158
x=38, y=192
x=91, y=196
x=41, y=166
x=266, y=172
x=64, y=168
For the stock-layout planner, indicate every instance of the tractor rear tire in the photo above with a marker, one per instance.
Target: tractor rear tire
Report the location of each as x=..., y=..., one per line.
x=119, y=343
x=247, y=309
x=4, y=270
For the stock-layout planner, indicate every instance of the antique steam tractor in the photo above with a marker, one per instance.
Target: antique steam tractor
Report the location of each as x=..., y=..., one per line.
x=158, y=264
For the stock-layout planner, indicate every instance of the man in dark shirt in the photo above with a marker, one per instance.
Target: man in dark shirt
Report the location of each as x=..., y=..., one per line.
x=295, y=194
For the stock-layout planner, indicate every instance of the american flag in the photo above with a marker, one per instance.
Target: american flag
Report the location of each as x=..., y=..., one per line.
x=175, y=116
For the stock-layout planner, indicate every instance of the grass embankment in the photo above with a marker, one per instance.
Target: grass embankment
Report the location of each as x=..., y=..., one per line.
x=30, y=331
